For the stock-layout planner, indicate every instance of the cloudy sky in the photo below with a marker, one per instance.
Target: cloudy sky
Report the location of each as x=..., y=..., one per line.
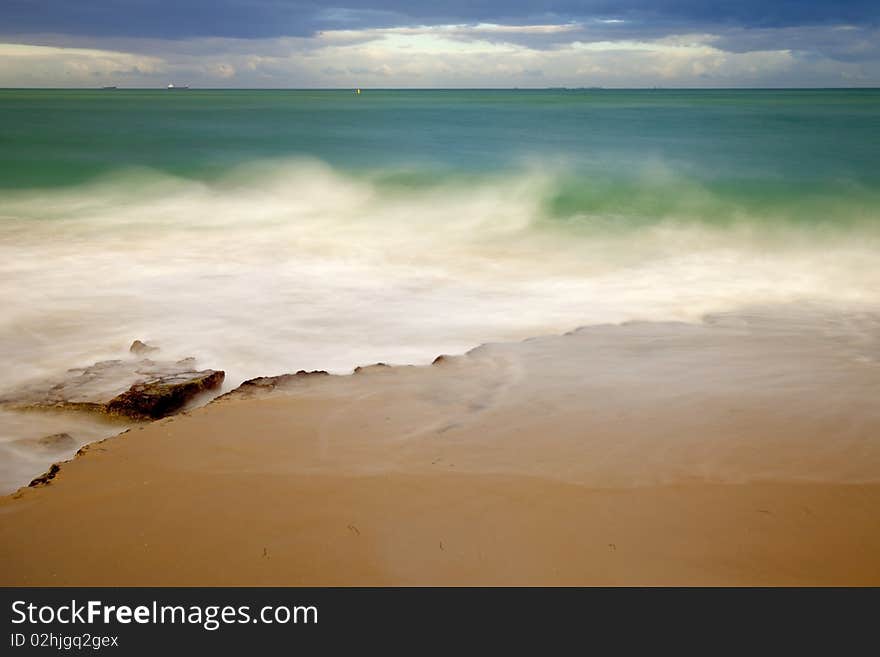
x=440, y=43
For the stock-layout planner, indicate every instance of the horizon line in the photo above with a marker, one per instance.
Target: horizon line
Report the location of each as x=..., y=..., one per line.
x=351, y=88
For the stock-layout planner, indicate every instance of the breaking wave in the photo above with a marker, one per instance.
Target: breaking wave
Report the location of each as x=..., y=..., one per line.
x=286, y=265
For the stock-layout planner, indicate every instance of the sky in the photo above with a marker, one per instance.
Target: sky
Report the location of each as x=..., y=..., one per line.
x=441, y=43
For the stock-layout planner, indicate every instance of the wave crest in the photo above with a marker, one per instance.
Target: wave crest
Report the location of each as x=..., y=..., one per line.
x=285, y=265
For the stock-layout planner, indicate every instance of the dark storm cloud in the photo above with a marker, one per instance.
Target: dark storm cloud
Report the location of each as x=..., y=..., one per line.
x=845, y=44
x=271, y=18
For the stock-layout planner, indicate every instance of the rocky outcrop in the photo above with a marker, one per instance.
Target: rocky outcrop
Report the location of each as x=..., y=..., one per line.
x=140, y=348
x=51, y=443
x=45, y=478
x=263, y=384
x=163, y=396
x=141, y=389
x=361, y=369
x=57, y=441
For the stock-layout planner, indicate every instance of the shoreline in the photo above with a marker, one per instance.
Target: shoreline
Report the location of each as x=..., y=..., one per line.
x=645, y=453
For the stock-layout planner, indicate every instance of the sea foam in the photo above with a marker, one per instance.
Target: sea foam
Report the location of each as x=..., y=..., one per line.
x=291, y=265
x=286, y=265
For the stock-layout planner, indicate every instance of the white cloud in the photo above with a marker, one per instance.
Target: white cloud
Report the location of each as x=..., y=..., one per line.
x=481, y=55
x=36, y=65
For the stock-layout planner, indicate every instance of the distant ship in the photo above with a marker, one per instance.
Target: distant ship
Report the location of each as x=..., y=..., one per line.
x=109, y=88
x=177, y=87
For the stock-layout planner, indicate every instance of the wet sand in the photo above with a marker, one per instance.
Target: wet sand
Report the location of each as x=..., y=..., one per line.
x=744, y=450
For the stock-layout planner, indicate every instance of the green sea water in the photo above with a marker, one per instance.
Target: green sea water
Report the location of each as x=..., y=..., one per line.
x=803, y=155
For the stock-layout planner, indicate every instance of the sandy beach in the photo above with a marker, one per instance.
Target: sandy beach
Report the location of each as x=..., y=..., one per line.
x=738, y=451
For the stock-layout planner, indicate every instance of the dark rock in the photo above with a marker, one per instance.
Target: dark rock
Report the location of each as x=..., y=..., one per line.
x=263, y=384
x=163, y=396
x=142, y=348
x=45, y=478
x=365, y=368
x=140, y=389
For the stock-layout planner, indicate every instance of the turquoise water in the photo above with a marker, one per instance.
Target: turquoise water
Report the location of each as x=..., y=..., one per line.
x=801, y=153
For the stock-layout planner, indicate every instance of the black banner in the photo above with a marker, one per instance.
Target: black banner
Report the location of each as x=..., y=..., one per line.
x=144, y=621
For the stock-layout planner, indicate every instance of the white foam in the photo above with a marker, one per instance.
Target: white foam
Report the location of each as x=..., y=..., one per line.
x=293, y=265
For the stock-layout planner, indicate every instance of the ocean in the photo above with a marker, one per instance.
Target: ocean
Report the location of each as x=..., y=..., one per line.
x=270, y=231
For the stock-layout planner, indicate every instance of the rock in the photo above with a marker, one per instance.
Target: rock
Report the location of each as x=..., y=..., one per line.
x=366, y=368
x=45, y=478
x=57, y=441
x=141, y=348
x=165, y=395
x=51, y=443
x=263, y=384
x=140, y=389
